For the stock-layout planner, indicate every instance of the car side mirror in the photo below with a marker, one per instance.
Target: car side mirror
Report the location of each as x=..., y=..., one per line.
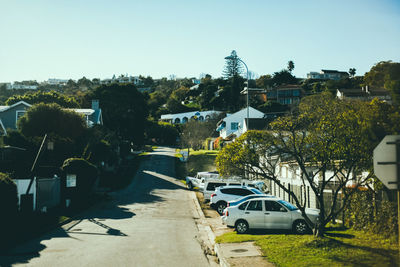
x=282, y=209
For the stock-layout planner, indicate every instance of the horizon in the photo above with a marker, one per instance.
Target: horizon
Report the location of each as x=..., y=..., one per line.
x=97, y=39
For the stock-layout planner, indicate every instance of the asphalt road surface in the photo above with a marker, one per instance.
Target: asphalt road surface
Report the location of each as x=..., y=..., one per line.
x=150, y=223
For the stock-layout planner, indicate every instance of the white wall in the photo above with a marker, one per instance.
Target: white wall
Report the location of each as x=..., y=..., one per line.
x=22, y=186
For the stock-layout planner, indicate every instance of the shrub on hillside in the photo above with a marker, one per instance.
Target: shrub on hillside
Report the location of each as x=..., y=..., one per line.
x=86, y=174
x=365, y=212
x=8, y=197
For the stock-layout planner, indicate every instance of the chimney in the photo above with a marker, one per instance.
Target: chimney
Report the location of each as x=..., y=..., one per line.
x=95, y=104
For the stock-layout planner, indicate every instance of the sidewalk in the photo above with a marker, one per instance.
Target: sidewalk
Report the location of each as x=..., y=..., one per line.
x=228, y=254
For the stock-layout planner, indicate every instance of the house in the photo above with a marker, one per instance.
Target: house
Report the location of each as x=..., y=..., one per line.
x=92, y=115
x=186, y=116
x=231, y=126
x=327, y=75
x=365, y=94
x=9, y=115
x=60, y=82
x=285, y=94
x=123, y=79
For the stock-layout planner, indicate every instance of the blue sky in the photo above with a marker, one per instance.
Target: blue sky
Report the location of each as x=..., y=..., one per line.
x=44, y=39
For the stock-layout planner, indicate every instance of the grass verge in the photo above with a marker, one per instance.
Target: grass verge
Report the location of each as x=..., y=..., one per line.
x=199, y=160
x=339, y=247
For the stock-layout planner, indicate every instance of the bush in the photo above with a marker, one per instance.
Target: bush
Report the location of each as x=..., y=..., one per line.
x=8, y=197
x=86, y=175
x=161, y=133
x=366, y=213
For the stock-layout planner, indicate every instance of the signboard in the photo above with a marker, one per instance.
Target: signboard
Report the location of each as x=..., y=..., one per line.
x=386, y=161
x=71, y=180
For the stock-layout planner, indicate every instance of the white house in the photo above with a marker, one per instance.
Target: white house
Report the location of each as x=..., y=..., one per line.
x=233, y=124
x=365, y=94
x=290, y=176
x=327, y=75
x=186, y=116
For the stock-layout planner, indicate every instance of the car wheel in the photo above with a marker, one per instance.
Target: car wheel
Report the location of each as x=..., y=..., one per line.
x=220, y=207
x=300, y=227
x=189, y=186
x=242, y=227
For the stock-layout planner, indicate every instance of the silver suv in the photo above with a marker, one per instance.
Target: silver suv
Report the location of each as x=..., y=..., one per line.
x=223, y=194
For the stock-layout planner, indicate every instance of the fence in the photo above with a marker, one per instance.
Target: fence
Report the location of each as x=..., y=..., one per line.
x=48, y=193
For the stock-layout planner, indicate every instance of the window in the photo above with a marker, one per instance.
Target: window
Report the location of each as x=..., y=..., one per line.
x=243, y=206
x=229, y=191
x=274, y=206
x=243, y=192
x=234, y=126
x=212, y=186
x=255, y=205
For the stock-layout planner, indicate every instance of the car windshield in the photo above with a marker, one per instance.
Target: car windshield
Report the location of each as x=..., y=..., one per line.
x=288, y=205
x=256, y=191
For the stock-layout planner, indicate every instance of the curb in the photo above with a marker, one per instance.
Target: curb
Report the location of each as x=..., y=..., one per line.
x=211, y=236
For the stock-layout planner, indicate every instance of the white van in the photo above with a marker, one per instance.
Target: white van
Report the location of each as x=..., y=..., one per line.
x=211, y=184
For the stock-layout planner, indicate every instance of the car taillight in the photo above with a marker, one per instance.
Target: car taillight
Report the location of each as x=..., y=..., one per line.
x=226, y=213
x=213, y=195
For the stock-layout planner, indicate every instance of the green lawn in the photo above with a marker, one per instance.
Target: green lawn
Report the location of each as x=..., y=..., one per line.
x=200, y=160
x=338, y=248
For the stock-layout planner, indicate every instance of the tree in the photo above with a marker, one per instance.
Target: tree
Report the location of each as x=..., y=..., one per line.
x=195, y=132
x=161, y=133
x=283, y=77
x=385, y=74
x=233, y=66
x=352, y=72
x=264, y=81
x=84, y=82
x=330, y=142
x=51, y=118
x=124, y=110
x=44, y=97
x=290, y=66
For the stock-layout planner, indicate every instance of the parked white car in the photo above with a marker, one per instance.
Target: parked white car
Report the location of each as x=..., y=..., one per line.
x=211, y=184
x=267, y=213
x=199, y=179
x=222, y=195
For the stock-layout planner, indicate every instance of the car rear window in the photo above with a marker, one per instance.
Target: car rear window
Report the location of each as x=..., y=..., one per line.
x=212, y=186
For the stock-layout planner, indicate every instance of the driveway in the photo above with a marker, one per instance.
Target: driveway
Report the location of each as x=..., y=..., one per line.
x=150, y=223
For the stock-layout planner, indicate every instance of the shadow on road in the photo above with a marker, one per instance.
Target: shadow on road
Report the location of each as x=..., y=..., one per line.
x=156, y=172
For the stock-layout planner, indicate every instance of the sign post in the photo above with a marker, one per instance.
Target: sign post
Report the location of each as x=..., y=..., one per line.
x=387, y=167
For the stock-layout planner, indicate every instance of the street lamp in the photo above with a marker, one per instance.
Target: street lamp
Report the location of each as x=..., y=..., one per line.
x=247, y=74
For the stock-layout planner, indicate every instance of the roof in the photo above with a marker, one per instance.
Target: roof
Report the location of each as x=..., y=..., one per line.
x=334, y=71
x=4, y=108
x=287, y=86
x=84, y=111
x=359, y=92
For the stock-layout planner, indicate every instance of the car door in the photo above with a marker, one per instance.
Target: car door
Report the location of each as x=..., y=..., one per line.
x=276, y=216
x=254, y=214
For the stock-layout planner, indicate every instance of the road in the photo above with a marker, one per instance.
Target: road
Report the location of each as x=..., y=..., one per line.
x=150, y=223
